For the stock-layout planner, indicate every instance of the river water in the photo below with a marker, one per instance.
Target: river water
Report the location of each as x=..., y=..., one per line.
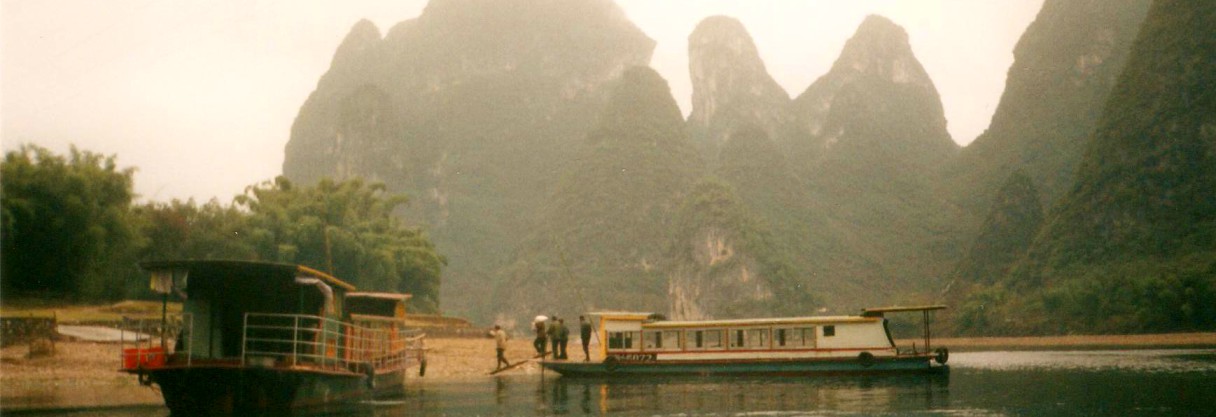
x=1063, y=383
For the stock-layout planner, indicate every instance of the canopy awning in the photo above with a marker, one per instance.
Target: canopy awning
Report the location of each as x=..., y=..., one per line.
x=879, y=311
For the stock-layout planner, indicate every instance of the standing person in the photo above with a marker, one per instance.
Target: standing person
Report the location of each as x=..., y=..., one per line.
x=500, y=343
x=584, y=332
x=539, y=343
x=563, y=336
x=553, y=336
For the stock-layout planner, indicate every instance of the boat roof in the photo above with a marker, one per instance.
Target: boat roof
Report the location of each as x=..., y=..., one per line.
x=879, y=311
x=380, y=295
x=622, y=315
x=760, y=322
x=269, y=267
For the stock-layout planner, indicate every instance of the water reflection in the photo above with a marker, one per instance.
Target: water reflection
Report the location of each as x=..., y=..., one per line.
x=691, y=394
x=1153, y=383
x=1152, y=361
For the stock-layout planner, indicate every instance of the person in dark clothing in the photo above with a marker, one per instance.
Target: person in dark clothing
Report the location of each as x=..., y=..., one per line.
x=584, y=332
x=539, y=343
x=552, y=333
x=563, y=336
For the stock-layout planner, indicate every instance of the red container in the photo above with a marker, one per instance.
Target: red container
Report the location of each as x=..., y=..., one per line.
x=153, y=357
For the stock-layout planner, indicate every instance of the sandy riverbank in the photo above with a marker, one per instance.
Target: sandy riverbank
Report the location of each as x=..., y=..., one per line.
x=85, y=374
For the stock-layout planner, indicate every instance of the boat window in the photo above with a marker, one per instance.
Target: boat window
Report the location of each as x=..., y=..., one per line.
x=736, y=338
x=829, y=331
x=671, y=340
x=756, y=338
x=695, y=340
x=794, y=337
x=713, y=339
x=621, y=340
x=807, y=336
x=652, y=340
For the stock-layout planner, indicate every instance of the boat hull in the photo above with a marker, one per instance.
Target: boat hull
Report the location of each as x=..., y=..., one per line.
x=210, y=390
x=915, y=364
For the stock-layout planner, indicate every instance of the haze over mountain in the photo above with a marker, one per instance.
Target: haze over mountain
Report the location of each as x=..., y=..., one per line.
x=1131, y=246
x=471, y=109
x=1064, y=68
x=556, y=173
x=730, y=85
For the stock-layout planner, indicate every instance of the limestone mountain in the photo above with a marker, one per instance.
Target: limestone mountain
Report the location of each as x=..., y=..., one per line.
x=1012, y=223
x=1132, y=245
x=730, y=85
x=603, y=231
x=875, y=136
x=467, y=110
x=877, y=73
x=1064, y=67
x=724, y=263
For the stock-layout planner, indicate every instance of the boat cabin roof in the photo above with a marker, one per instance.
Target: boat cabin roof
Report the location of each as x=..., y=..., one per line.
x=649, y=320
x=813, y=320
x=879, y=311
x=380, y=304
x=218, y=269
x=379, y=295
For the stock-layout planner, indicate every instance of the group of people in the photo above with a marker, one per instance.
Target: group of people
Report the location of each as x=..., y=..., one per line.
x=550, y=332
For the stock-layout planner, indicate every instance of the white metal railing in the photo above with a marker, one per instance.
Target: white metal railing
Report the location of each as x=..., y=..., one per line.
x=153, y=342
x=297, y=339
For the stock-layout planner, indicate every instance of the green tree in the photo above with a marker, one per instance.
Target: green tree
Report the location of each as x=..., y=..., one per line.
x=67, y=229
x=186, y=230
x=348, y=229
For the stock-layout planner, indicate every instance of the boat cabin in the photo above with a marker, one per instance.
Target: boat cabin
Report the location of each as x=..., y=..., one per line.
x=376, y=304
x=220, y=297
x=648, y=336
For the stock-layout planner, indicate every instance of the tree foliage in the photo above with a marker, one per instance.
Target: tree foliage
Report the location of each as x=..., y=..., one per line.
x=70, y=231
x=67, y=228
x=346, y=228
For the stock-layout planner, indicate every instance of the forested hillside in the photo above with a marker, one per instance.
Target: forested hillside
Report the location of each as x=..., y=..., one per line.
x=1132, y=245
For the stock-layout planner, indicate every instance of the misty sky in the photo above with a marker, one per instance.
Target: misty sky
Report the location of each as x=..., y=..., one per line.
x=200, y=95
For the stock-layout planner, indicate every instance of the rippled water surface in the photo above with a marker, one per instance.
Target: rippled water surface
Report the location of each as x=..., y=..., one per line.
x=1073, y=383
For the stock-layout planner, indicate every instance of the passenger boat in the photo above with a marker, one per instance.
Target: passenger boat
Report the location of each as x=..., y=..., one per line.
x=258, y=336
x=645, y=344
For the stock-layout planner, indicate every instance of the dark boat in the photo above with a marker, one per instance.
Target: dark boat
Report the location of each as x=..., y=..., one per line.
x=259, y=336
x=644, y=344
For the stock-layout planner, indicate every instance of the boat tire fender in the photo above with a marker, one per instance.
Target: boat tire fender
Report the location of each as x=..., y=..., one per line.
x=941, y=355
x=866, y=359
x=422, y=367
x=611, y=363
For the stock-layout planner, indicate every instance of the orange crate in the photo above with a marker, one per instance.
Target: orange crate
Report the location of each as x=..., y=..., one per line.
x=153, y=357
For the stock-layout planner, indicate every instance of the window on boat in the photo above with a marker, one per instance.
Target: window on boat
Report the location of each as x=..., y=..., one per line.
x=829, y=331
x=713, y=339
x=756, y=338
x=621, y=340
x=662, y=340
x=794, y=337
x=807, y=334
x=671, y=340
x=652, y=340
x=736, y=338
x=695, y=339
